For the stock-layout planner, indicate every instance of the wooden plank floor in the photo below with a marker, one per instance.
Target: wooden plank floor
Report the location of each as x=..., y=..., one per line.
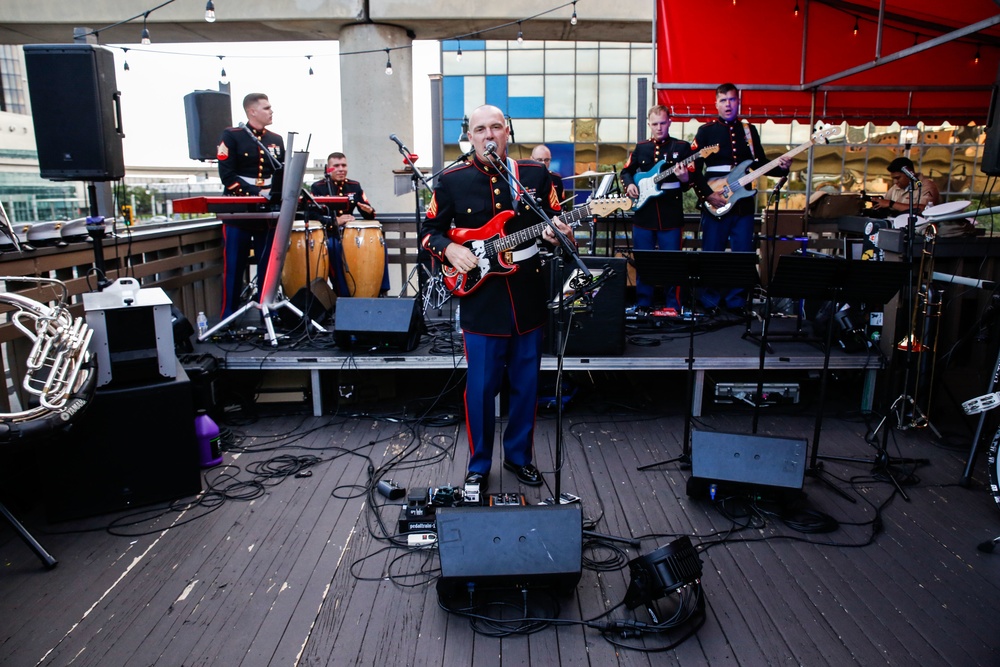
x=275, y=569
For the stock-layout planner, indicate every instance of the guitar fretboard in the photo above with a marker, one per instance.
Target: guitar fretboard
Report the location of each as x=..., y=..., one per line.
x=572, y=218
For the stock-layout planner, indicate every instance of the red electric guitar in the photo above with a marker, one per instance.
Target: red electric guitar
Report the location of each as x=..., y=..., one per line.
x=494, y=246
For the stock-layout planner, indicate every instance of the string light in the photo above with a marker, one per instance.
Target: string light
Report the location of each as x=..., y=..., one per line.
x=520, y=35
x=572, y=19
x=309, y=58
x=458, y=54
x=796, y=7
x=144, y=38
x=223, y=77
x=388, y=64
x=975, y=61
x=125, y=54
x=855, y=26
x=210, y=11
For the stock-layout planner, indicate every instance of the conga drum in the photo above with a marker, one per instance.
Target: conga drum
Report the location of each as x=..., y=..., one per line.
x=304, y=252
x=364, y=258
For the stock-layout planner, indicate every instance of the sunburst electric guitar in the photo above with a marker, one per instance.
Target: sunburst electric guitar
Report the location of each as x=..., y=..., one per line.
x=648, y=182
x=494, y=246
x=734, y=185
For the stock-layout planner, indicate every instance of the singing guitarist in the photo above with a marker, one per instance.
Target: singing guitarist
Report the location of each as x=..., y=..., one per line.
x=657, y=224
x=503, y=318
x=738, y=141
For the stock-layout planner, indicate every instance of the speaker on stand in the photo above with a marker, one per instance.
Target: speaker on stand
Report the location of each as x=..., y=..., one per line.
x=991, y=149
x=208, y=113
x=76, y=111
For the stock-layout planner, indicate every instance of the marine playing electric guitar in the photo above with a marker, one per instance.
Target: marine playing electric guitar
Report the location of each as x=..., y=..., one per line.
x=733, y=186
x=648, y=182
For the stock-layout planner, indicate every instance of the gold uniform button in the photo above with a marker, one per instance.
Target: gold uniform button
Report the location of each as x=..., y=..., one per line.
x=497, y=191
x=493, y=180
x=468, y=210
x=498, y=205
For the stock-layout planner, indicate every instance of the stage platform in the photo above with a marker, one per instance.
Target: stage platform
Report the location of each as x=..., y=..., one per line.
x=721, y=343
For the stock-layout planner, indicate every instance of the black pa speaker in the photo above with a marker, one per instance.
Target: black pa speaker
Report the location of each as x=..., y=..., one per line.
x=383, y=323
x=601, y=331
x=736, y=464
x=537, y=546
x=133, y=446
x=208, y=113
x=991, y=149
x=76, y=110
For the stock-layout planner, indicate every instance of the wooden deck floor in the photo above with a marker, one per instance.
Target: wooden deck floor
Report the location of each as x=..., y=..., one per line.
x=271, y=568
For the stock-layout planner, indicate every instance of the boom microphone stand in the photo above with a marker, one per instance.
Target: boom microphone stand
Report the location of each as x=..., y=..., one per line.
x=585, y=287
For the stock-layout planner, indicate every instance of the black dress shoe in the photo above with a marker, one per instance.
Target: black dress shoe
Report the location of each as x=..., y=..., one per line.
x=526, y=474
x=478, y=478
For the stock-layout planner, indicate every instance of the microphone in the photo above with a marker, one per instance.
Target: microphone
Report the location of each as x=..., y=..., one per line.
x=781, y=183
x=490, y=148
x=399, y=143
x=909, y=174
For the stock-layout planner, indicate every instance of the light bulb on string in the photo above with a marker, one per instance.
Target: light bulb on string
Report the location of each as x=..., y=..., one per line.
x=223, y=77
x=855, y=26
x=458, y=54
x=975, y=61
x=388, y=63
x=125, y=55
x=309, y=58
x=144, y=37
x=796, y=7
x=520, y=35
x=210, y=11
x=572, y=19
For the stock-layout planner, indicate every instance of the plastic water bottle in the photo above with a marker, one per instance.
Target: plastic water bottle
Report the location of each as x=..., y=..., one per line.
x=202, y=324
x=206, y=431
x=458, y=318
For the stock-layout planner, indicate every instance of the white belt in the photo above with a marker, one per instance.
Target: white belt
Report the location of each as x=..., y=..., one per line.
x=521, y=255
x=253, y=181
x=719, y=167
x=670, y=185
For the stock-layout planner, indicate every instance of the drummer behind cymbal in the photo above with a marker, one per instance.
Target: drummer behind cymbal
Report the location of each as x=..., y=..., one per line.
x=897, y=199
x=336, y=184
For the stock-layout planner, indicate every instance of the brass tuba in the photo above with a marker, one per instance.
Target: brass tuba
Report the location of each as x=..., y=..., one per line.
x=61, y=373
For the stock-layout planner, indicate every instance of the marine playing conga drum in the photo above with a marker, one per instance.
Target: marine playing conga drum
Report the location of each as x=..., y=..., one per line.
x=363, y=248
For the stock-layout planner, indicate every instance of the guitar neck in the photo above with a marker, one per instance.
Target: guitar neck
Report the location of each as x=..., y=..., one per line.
x=572, y=218
x=760, y=171
x=663, y=175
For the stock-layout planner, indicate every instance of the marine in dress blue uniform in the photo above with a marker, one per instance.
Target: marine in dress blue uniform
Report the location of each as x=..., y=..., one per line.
x=738, y=140
x=246, y=171
x=658, y=223
x=503, y=318
x=336, y=184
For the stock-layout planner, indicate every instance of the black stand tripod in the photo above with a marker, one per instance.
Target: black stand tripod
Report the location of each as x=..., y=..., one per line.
x=691, y=270
x=837, y=281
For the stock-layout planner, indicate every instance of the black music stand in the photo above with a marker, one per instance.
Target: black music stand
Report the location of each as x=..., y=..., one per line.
x=690, y=270
x=838, y=281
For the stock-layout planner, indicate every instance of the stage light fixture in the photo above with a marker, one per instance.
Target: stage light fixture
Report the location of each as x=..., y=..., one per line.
x=661, y=572
x=210, y=11
x=388, y=64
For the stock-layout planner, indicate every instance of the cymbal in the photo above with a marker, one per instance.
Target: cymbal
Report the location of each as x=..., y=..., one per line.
x=589, y=174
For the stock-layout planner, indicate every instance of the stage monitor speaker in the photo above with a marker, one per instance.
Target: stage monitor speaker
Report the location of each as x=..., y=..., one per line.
x=602, y=330
x=736, y=464
x=132, y=446
x=391, y=323
x=76, y=110
x=208, y=113
x=990, y=164
x=537, y=546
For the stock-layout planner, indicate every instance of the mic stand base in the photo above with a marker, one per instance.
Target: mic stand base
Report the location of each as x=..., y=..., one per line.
x=267, y=312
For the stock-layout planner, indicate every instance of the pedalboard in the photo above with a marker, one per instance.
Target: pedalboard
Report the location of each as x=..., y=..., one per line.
x=507, y=500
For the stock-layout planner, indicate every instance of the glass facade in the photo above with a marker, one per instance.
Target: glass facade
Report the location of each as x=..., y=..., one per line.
x=13, y=92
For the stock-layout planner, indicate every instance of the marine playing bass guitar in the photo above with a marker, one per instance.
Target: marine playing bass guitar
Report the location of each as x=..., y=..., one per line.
x=733, y=187
x=494, y=246
x=648, y=182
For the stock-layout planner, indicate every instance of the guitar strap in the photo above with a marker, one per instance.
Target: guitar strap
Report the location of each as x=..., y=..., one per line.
x=746, y=131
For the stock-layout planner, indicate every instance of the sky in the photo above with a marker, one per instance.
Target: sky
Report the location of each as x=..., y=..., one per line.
x=160, y=75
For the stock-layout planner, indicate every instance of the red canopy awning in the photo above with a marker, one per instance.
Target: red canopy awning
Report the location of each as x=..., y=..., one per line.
x=785, y=64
